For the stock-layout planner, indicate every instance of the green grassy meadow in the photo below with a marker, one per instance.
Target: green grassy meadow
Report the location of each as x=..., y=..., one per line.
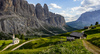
x=93, y=36
x=6, y=41
x=10, y=48
x=58, y=44
x=51, y=48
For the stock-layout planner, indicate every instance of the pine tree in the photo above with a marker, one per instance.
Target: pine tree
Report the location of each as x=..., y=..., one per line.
x=17, y=35
x=91, y=24
x=22, y=37
x=96, y=23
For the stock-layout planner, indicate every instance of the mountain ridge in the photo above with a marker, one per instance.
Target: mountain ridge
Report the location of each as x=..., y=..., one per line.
x=18, y=16
x=86, y=19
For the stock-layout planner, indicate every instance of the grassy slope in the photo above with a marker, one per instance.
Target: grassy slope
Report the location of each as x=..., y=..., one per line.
x=91, y=47
x=51, y=45
x=75, y=47
x=93, y=36
x=93, y=33
x=10, y=48
x=7, y=42
x=57, y=44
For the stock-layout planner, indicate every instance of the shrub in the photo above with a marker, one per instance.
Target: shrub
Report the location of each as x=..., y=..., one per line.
x=17, y=35
x=91, y=24
x=3, y=44
x=22, y=37
x=96, y=23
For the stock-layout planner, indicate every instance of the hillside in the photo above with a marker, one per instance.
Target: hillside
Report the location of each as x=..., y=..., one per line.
x=86, y=19
x=51, y=45
x=58, y=44
x=94, y=36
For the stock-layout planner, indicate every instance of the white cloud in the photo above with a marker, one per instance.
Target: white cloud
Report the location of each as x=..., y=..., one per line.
x=51, y=8
x=53, y=5
x=63, y=13
x=77, y=0
x=72, y=14
x=74, y=0
x=73, y=18
x=88, y=5
x=34, y=4
x=68, y=17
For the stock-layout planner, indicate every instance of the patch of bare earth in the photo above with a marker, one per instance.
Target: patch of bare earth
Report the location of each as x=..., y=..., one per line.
x=92, y=48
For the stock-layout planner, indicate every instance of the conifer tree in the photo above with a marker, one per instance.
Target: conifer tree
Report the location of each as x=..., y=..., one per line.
x=96, y=23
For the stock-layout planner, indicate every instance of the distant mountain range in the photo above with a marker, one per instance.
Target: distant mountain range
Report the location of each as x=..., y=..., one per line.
x=86, y=19
x=18, y=16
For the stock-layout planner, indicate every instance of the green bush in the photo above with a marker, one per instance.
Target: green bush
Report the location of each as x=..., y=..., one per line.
x=22, y=37
x=3, y=44
x=96, y=23
x=17, y=36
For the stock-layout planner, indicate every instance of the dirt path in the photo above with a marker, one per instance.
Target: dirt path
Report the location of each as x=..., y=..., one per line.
x=22, y=44
x=91, y=47
x=7, y=47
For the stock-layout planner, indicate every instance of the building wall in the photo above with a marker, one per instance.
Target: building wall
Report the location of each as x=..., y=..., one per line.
x=15, y=41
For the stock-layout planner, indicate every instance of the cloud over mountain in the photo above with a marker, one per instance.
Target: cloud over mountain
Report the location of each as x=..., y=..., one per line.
x=53, y=5
x=88, y=5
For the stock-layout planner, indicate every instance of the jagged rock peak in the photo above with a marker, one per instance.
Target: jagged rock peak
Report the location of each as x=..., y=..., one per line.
x=46, y=6
x=46, y=10
x=38, y=4
x=39, y=11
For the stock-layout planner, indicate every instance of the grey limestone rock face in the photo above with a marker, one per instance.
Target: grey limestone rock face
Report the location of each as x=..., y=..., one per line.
x=39, y=12
x=18, y=16
x=46, y=10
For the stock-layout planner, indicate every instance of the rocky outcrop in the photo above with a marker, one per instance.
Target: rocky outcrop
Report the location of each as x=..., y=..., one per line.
x=17, y=16
x=39, y=12
x=46, y=10
x=86, y=19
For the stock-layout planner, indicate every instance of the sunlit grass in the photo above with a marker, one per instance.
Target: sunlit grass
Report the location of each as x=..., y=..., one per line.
x=13, y=46
x=74, y=47
x=6, y=41
x=57, y=44
x=93, y=36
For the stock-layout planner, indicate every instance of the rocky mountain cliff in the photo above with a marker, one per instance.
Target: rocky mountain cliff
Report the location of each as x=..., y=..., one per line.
x=86, y=19
x=18, y=16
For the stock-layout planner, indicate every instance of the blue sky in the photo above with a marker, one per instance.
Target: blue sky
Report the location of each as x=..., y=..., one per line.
x=70, y=9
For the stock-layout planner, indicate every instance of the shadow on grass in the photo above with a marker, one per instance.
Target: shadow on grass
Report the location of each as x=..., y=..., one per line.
x=94, y=31
x=2, y=47
x=41, y=44
x=95, y=41
x=49, y=43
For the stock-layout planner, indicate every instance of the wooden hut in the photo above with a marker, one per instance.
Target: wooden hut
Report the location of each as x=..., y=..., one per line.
x=86, y=27
x=93, y=27
x=70, y=38
x=78, y=35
